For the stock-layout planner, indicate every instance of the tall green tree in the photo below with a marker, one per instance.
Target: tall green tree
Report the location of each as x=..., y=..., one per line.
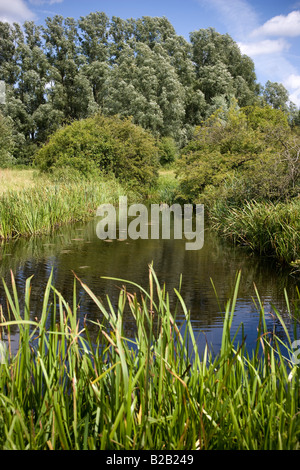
x=276, y=95
x=26, y=87
x=221, y=68
x=9, y=68
x=121, y=32
x=153, y=30
x=70, y=91
x=144, y=85
x=95, y=52
x=6, y=142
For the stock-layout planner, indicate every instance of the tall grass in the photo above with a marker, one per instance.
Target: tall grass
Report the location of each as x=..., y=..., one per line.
x=267, y=228
x=165, y=189
x=64, y=391
x=16, y=179
x=48, y=204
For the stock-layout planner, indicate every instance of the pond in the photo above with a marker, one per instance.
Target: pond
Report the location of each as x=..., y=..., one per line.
x=77, y=249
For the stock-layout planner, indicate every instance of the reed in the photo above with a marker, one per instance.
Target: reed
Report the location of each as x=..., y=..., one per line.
x=270, y=229
x=63, y=390
x=47, y=205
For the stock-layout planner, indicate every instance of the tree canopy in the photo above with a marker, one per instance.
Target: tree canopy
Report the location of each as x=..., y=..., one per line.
x=70, y=69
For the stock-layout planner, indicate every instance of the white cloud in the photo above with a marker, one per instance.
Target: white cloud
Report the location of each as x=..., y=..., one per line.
x=264, y=47
x=295, y=97
x=266, y=43
x=292, y=83
x=43, y=2
x=239, y=16
x=15, y=11
x=281, y=26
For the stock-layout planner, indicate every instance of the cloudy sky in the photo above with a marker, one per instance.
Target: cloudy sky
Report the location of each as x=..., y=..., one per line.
x=266, y=30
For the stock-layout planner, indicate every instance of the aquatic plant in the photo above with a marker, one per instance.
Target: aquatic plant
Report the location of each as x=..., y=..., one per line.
x=63, y=390
x=49, y=204
x=270, y=229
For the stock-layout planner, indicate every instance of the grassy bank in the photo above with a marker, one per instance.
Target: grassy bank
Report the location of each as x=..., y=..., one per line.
x=16, y=179
x=63, y=391
x=268, y=229
x=31, y=204
x=45, y=203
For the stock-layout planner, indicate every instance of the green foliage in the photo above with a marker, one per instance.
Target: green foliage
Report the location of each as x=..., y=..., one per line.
x=63, y=198
x=69, y=69
x=86, y=386
x=168, y=150
x=266, y=228
x=103, y=144
x=6, y=142
x=251, y=154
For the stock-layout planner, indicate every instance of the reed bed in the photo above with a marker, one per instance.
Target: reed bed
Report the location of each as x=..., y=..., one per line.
x=267, y=228
x=64, y=391
x=47, y=205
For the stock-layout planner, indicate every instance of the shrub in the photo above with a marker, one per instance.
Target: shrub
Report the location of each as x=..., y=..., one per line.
x=253, y=155
x=103, y=144
x=168, y=151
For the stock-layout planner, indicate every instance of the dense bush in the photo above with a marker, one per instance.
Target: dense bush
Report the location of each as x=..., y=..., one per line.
x=253, y=154
x=106, y=144
x=168, y=151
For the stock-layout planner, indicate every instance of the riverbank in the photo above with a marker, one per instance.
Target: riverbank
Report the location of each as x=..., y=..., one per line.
x=153, y=392
x=33, y=204
x=267, y=228
x=16, y=179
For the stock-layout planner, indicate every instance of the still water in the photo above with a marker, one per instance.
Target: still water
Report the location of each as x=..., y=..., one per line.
x=76, y=249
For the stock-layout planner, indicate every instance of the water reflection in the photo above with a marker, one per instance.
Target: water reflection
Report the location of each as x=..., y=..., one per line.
x=77, y=249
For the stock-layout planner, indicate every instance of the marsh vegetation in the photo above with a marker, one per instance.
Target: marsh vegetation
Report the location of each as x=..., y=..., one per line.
x=97, y=109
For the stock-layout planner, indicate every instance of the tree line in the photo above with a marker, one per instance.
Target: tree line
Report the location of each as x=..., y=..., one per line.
x=68, y=69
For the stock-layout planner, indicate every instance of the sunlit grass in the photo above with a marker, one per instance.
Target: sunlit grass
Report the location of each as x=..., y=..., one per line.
x=156, y=391
x=16, y=180
x=47, y=204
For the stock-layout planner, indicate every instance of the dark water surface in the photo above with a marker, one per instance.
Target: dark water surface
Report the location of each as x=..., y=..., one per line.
x=77, y=248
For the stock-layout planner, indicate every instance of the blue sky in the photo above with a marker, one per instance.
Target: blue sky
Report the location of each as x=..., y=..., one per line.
x=268, y=31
